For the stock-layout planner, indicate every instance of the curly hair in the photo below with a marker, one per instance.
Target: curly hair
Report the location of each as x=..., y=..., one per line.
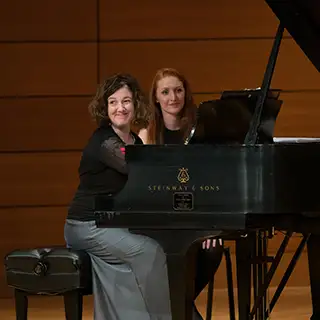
x=98, y=107
x=188, y=114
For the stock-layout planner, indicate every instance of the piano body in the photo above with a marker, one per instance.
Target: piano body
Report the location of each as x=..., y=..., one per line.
x=233, y=180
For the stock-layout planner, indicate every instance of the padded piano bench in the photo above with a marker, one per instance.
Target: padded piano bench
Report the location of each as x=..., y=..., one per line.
x=49, y=271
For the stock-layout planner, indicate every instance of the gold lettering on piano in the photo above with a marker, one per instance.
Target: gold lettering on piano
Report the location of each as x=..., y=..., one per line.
x=209, y=188
x=183, y=188
x=183, y=177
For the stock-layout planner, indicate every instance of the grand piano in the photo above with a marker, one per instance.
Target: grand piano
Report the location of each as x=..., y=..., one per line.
x=232, y=180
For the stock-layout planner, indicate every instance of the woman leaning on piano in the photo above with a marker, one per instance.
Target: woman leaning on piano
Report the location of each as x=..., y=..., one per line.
x=173, y=119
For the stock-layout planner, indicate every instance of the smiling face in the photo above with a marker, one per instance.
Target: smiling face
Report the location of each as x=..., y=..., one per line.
x=121, y=108
x=170, y=94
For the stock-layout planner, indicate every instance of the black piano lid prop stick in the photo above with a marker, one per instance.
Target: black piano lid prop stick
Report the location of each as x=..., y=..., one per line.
x=251, y=137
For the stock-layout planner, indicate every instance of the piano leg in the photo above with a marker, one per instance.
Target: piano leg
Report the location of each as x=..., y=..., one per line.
x=181, y=287
x=181, y=276
x=243, y=258
x=260, y=270
x=314, y=274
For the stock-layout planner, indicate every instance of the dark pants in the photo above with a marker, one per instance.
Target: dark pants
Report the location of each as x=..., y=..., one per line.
x=207, y=263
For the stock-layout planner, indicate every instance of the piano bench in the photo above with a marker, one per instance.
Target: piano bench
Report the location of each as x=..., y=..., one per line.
x=54, y=271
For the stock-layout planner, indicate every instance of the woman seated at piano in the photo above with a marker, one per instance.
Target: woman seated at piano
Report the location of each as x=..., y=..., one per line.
x=130, y=279
x=173, y=119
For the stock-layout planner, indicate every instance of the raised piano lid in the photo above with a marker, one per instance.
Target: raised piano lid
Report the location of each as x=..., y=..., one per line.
x=301, y=18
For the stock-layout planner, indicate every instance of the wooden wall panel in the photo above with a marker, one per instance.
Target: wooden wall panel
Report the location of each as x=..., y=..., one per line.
x=299, y=115
x=28, y=228
x=181, y=19
x=212, y=66
x=37, y=179
x=44, y=123
x=50, y=20
x=47, y=69
x=199, y=97
x=219, y=45
x=64, y=123
x=47, y=227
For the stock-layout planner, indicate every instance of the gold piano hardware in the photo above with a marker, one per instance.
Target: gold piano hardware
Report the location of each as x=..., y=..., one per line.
x=183, y=201
x=183, y=175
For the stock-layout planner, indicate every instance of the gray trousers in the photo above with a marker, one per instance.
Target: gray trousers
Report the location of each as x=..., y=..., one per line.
x=130, y=280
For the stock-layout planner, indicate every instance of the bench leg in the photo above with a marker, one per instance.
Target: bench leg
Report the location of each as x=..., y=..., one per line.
x=73, y=302
x=21, y=304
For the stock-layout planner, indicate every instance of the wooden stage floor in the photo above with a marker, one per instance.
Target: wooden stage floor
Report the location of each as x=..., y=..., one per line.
x=294, y=304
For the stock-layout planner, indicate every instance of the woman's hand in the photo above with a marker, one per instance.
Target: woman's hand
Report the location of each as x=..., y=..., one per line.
x=210, y=243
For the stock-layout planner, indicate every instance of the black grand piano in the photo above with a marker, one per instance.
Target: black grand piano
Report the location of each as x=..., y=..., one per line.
x=233, y=180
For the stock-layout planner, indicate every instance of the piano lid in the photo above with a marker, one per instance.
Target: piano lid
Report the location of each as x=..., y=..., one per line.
x=302, y=20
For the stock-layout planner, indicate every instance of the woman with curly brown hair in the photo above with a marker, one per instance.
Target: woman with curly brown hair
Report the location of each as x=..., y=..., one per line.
x=173, y=120
x=129, y=271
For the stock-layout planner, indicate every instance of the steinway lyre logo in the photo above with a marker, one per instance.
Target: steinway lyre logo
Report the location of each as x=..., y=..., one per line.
x=183, y=175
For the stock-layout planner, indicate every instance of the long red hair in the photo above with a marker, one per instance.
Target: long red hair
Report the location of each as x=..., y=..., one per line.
x=188, y=113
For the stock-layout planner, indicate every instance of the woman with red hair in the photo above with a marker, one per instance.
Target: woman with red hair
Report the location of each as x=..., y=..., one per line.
x=174, y=114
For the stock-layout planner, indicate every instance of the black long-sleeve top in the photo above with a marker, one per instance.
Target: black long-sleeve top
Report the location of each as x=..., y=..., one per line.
x=102, y=171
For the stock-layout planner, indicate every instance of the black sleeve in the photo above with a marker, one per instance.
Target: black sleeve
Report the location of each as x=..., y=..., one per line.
x=112, y=156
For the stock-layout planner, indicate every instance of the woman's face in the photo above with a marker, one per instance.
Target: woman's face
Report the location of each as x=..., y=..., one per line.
x=170, y=94
x=121, y=108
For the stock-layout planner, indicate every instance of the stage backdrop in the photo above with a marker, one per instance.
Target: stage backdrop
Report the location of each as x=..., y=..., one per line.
x=54, y=52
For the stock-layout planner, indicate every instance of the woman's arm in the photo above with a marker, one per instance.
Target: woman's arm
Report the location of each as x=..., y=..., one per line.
x=112, y=154
x=143, y=134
